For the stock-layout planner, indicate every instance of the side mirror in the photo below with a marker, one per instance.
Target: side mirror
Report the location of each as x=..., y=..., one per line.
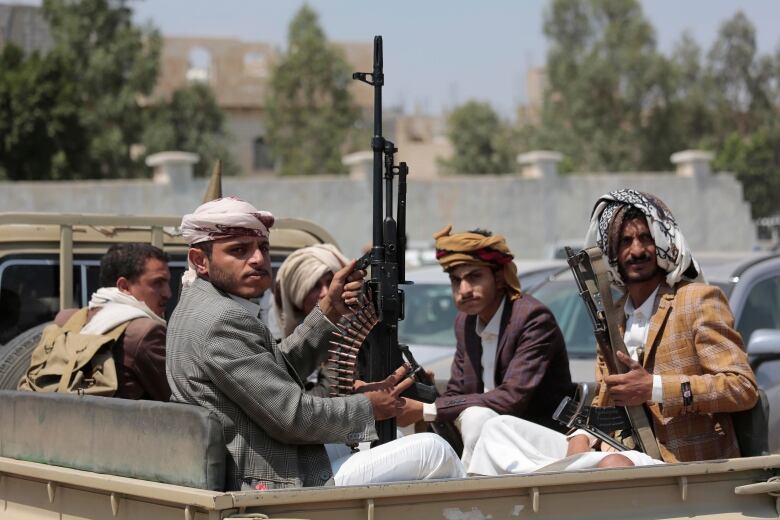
x=764, y=345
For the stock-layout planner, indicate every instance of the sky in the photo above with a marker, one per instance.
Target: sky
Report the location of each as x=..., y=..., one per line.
x=440, y=53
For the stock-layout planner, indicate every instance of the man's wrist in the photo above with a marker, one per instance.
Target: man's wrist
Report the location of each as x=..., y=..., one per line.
x=328, y=309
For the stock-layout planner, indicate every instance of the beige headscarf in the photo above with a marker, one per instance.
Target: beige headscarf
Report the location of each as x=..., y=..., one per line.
x=475, y=248
x=297, y=275
x=222, y=218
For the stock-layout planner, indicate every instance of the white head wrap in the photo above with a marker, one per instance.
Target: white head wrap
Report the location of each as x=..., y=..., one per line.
x=672, y=252
x=297, y=275
x=222, y=218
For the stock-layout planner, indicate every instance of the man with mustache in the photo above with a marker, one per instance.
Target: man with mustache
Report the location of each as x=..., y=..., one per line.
x=510, y=357
x=134, y=289
x=687, y=363
x=222, y=357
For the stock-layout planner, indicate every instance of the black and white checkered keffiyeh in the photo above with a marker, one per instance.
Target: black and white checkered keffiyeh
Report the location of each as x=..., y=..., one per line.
x=672, y=252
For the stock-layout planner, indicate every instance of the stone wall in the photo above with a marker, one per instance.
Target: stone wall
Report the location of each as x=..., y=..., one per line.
x=534, y=210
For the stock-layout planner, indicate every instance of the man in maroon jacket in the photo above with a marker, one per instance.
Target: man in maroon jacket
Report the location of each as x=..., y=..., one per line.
x=135, y=287
x=510, y=357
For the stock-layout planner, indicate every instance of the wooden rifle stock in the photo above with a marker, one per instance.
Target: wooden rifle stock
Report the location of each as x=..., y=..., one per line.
x=590, y=271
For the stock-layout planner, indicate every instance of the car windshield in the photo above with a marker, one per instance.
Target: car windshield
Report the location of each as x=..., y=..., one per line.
x=569, y=310
x=429, y=317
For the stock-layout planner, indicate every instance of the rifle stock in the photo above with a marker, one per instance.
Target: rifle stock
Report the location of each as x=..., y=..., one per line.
x=593, y=281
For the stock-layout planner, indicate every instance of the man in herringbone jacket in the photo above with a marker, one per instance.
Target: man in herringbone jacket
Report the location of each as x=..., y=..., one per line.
x=686, y=362
x=222, y=357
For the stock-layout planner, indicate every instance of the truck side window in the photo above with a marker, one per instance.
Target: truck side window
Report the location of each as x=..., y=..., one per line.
x=29, y=296
x=762, y=308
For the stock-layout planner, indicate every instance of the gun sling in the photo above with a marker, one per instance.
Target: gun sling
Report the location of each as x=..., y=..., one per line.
x=637, y=414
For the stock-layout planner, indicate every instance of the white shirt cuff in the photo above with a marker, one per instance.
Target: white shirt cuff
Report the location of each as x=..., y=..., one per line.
x=429, y=412
x=658, y=389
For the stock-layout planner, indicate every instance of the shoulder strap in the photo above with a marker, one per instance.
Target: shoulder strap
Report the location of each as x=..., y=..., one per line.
x=77, y=321
x=110, y=336
x=636, y=414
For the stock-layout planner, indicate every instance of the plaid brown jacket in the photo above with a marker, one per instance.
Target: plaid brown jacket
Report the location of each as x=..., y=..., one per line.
x=692, y=339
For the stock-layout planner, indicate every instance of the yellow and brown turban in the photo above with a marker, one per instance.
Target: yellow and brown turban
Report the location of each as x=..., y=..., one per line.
x=478, y=249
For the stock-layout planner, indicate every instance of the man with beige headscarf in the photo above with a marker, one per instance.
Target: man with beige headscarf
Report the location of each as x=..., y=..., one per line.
x=510, y=357
x=302, y=281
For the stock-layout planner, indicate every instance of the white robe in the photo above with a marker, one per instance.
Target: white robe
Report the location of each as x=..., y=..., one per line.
x=508, y=445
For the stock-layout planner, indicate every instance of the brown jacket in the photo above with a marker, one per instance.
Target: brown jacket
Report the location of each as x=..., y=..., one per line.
x=692, y=339
x=140, y=358
x=532, y=369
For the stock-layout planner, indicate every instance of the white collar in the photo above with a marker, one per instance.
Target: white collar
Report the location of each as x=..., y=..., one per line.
x=251, y=307
x=646, y=309
x=494, y=325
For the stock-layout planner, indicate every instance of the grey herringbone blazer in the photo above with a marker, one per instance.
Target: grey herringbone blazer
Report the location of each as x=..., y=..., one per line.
x=224, y=359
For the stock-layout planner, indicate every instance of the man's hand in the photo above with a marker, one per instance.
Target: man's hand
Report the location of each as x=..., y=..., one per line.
x=385, y=405
x=578, y=444
x=384, y=394
x=411, y=412
x=633, y=388
x=344, y=291
x=387, y=385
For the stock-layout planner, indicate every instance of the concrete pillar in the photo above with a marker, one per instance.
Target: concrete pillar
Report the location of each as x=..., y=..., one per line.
x=539, y=164
x=693, y=163
x=361, y=165
x=172, y=167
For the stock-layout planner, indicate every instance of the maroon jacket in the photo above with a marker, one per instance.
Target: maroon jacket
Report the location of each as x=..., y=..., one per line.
x=140, y=358
x=532, y=368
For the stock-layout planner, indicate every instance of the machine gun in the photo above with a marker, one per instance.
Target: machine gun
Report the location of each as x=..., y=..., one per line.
x=388, y=250
x=593, y=284
x=386, y=259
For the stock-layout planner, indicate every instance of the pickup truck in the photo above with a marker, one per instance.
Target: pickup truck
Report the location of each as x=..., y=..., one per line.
x=51, y=261
x=94, y=458
x=83, y=457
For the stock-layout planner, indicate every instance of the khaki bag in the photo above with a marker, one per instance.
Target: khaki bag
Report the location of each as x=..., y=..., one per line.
x=67, y=361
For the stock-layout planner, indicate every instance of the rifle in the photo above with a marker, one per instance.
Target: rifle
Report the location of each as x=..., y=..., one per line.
x=387, y=257
x=388, y=250
x=593, y=284
x=599, y=422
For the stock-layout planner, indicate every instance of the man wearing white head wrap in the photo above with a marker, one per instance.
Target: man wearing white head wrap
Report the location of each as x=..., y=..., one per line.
x=302, y=281
x=222, y=357
x=687, y=362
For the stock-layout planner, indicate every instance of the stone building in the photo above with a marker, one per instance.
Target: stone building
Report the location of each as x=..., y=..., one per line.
x=24, y=26
x=239, y=72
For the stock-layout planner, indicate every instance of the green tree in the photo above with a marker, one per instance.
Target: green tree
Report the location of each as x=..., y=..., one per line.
x=191, y=122
x=310, y=110
x=481, y=141
x=112, y=64
x=40, y=132
x=755, y=159
x=742, y=78
x=603, y=91
x=747, y=135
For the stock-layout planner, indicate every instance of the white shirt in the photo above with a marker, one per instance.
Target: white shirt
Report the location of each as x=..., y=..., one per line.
x=635, y=336
x=489, y=335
